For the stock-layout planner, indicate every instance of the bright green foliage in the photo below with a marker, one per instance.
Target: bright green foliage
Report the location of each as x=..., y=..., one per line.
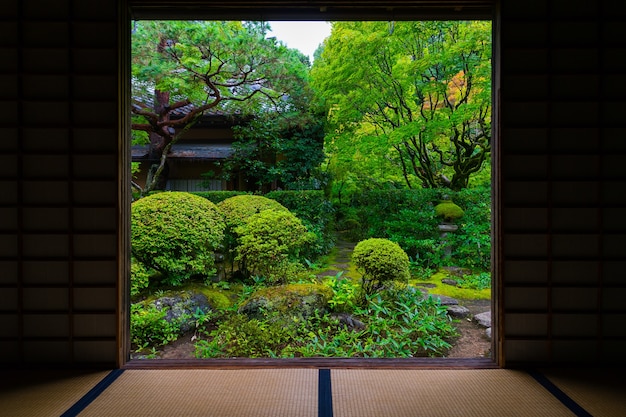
x=270, y=242
x=478, y=281
x=148, y=326
x=176, y=234
x=240, y=336
x=380, y=261
x=238, y=209
x=472, y=242
x=344, y=293
x=398, y=324
x=448, y=210
x=139, y=277
x=317, y=214
x=411, y=221
x=217, y=197
x=408, y=102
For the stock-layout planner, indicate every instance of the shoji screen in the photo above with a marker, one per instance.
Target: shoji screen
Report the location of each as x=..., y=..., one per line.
x=563, y=190
x=59, y=204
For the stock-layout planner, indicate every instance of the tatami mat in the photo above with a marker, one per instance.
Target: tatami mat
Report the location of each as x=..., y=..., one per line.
x=445, y=393
x=208, y=393
x=601, y=392
x=44, y=393
x=314, y=393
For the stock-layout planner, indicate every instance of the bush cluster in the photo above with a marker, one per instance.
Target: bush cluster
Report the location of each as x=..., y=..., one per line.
x=176, y=234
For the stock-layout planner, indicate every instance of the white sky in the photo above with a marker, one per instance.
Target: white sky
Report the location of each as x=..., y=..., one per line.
x=304, y=36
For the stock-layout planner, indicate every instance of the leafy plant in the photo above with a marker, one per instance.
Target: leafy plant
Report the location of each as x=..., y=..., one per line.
x=344, y=293
x=478, y=281
x=239, y=336
x=149, y=328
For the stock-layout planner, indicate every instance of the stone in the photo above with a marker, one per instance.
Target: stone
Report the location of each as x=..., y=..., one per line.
x=449, y=281
x=488, y=332
x=457, y=271
x=349, y=321
x=181, y=306
x=483, y=319
x=458, y=311
x=443, y=299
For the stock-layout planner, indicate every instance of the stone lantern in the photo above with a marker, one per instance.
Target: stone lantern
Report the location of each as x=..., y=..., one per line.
x=449, y=213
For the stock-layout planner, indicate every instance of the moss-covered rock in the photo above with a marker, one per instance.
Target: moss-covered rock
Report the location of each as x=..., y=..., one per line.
x=449, y=211
x=181, y=307
x=291, y=300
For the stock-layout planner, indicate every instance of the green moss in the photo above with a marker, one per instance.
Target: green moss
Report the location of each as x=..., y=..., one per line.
x=451, y=291
x=448, y=210
x=217, y=299
x=295, y=289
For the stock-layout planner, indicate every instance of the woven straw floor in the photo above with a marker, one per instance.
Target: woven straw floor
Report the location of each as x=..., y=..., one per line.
x=299, y=393
x=601, y=392
x=445, y=393
x=43, y=393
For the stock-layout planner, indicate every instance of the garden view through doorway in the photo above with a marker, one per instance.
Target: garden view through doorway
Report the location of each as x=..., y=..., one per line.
x=283, y=208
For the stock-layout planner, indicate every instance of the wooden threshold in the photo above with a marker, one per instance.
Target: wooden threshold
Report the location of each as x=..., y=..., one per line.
x=330, y=363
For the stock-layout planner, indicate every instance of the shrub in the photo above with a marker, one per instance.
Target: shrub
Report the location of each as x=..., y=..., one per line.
x=139, y=277
x=269, y=242
x=472, y=242
x=380, y=261
x=316, y=213
x=216, y=197
x=240, y=336
x=236, y=211
x=176, y=234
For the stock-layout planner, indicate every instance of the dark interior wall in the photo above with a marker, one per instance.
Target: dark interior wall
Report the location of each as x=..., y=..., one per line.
x=560, y=230
x=59, y=176
x=563, y=142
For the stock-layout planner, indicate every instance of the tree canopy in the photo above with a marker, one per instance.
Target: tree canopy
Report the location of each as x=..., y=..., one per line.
x=408, y=102
x=204, y=66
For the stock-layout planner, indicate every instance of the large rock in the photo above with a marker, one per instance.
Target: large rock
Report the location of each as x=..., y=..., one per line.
x=483, y=319
x=458, y=312
x=291, y=300
x=181, y=306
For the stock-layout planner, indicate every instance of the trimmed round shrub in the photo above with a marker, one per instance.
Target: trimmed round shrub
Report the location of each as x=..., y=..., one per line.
x=380, y=261
x=238, y=209
x=176, y=234
x=270, y=242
